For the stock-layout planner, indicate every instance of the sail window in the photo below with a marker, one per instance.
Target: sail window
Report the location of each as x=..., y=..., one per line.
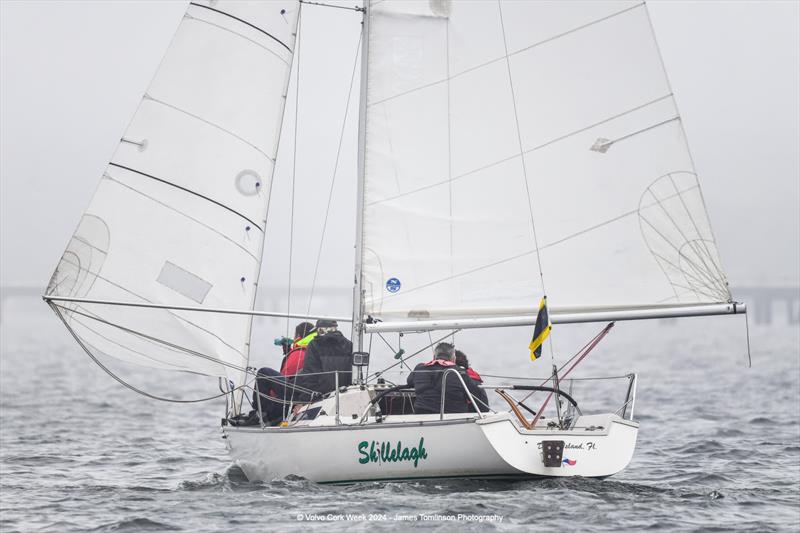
x=184, y=282
x=248, y=182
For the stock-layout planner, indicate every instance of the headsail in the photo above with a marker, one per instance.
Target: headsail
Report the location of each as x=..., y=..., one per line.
x=178, y=217
x=502, y=137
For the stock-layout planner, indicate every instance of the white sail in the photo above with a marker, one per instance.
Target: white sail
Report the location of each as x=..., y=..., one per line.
x=178, y=218
x=496, y=130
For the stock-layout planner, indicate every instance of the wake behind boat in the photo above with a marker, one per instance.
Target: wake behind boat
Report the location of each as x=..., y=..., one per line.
x=510, y=153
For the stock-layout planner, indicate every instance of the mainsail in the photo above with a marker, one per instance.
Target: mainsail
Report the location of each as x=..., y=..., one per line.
x=520, y=148
x=179, y=215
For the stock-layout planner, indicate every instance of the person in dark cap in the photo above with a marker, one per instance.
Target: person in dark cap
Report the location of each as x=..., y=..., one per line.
x=463, y=362
x=330, y=352
x=427, y=381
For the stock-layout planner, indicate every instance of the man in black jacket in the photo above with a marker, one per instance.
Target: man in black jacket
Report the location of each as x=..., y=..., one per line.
x=329, y=352
x=427, y=382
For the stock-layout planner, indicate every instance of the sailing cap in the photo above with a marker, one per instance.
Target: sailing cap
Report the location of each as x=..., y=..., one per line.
x=326, y=323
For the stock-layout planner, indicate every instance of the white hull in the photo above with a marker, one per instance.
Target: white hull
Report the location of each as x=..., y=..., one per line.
x=459, y=446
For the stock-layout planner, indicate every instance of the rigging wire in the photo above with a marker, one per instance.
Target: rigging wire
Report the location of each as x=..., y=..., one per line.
x=294, y=164
x=525, y=172
x=125, y=383
x=355, y=8
x=335, y=169
x=404, y=359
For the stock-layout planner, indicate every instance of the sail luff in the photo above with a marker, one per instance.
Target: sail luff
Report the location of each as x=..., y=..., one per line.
x=276, y=147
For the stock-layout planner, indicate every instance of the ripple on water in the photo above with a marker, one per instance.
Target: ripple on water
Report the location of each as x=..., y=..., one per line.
x=732, y=469
x=136, y=524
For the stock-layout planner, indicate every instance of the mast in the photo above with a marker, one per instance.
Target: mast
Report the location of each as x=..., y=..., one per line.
x=358, y=296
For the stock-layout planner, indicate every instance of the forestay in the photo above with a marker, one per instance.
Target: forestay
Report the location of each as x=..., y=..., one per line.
x=499, y=129
x=178, y=217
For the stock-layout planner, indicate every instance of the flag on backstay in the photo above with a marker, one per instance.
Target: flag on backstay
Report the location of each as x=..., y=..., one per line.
x=541, y=331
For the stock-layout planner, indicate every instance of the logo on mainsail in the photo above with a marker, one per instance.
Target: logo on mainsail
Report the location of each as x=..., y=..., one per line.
x=392, y=284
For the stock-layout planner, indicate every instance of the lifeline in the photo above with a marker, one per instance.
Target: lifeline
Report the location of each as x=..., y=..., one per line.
x=382, y=452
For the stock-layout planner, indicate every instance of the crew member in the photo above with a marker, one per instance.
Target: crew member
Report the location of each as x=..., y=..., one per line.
x=463, y=362
x=427, y=381
x=327, y=355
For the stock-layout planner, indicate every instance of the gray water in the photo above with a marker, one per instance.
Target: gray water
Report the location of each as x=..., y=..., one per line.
x=718, y=449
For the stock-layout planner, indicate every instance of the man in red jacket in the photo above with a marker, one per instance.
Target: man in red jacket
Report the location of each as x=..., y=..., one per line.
x=292, y=362
x=273, y=384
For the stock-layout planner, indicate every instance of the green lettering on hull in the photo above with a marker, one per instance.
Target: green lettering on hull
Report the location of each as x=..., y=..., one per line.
x=387, y=452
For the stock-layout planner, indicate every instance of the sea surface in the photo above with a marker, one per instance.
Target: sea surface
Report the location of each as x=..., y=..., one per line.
x=718, y=448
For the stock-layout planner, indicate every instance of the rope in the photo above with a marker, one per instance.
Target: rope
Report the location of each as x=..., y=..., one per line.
x=125, y=383
x=588, y=349
x=524, y=168
x=404, y=359
x=333, y=179
x=747, y=331
x=294, y=167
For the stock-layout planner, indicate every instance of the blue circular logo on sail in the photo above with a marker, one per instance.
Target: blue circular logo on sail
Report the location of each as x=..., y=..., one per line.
x=392, y=284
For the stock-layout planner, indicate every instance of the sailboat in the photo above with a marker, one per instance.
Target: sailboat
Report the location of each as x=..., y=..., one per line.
x=506, y=151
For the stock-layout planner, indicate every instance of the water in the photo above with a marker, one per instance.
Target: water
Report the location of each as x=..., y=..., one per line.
x=718, y=449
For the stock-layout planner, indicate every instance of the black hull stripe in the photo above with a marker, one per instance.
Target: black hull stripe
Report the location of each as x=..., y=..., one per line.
x=244, y=22
x=235, y=212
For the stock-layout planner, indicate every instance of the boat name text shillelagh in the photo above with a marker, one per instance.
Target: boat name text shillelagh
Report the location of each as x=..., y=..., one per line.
x=384, y=452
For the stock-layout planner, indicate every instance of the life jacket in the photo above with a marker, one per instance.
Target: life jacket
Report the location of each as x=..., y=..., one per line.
x=293, y=362
x=443, y=362
x=474, y=375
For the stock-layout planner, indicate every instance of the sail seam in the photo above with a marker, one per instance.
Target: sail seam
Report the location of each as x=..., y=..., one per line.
x=529, y=252
x=137, y=352
x=244, y=22
x=694, y=224
x=166, y=182
x=579, y=28
x=675, y=224
x=705, y=273
x=685, y=139
x=504, y=160
x=122, y=382
x=154, y=339
x=604, y=121
x=212, y=124
x=227, y=238
x=689, y=262
x=702, y=284
x=506, y=55
x=246, y=38
x=171, y=313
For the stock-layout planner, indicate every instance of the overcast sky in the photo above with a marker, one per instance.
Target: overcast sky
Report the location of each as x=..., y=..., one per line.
x=73, y=72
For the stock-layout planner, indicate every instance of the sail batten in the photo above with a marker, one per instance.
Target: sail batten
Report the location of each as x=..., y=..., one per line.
x=488, y=121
